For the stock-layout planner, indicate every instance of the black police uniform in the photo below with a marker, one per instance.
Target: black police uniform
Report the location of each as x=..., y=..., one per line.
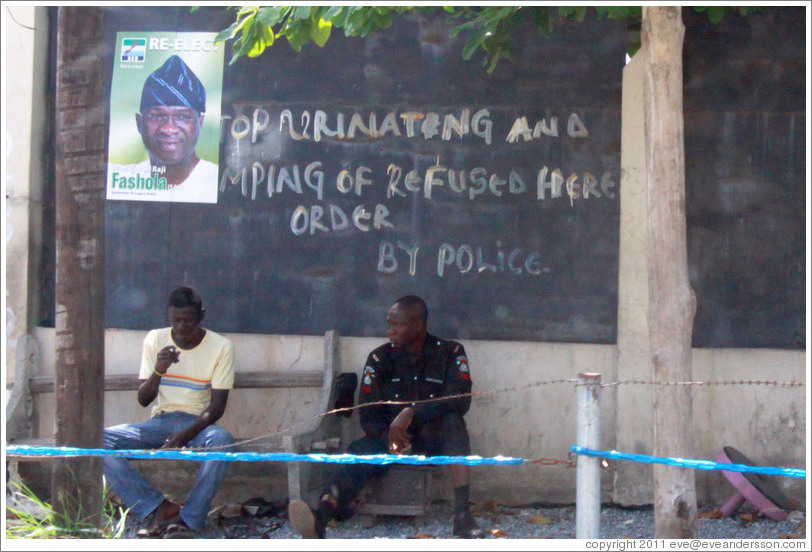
x=437, y=428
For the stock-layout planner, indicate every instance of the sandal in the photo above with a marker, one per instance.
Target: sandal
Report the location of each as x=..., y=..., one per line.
x=158, y=523
x=148, y=533
x=176, y=528
x=155, y=530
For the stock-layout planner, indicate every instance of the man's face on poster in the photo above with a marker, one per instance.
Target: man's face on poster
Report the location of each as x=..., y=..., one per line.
x=169, y=133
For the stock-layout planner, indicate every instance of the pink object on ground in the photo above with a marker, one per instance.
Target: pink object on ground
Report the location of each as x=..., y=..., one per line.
x=752, y=487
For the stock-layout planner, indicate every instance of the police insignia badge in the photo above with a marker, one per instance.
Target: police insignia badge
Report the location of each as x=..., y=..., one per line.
x=462, y=364
x=366, y=383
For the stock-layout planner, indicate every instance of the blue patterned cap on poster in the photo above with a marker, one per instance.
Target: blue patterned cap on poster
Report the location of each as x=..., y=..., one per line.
x=174, y=84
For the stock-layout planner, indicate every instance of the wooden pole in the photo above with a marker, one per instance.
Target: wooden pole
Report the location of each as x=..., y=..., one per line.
x=80, y=193
x=672, y=303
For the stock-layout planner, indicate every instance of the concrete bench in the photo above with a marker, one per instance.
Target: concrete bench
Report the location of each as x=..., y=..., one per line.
x=318, y=434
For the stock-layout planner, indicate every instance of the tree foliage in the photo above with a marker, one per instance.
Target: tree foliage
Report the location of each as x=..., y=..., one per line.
x=487, y=28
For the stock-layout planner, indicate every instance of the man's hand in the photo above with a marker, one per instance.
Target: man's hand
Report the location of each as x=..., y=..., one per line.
x=399, y=440
x=148, y=389
x=182, y=438
x=166, y=358
x=177, y=440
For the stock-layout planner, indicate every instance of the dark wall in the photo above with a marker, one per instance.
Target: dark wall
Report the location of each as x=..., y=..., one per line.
x=746, y=150
x=495, y=265
x=745, y=130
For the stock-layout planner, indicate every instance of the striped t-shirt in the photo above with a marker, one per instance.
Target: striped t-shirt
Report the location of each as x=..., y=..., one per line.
x=187, y=384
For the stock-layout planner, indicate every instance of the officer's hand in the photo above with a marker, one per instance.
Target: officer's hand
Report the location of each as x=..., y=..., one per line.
x=399, y=440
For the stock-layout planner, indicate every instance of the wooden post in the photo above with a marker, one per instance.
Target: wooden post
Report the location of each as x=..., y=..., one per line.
x=80, y=194
x=672, y=303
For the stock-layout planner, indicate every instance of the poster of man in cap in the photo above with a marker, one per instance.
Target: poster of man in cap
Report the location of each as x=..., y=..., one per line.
x=165, y=117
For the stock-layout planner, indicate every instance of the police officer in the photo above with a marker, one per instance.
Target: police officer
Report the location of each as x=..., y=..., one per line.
x=413, y=366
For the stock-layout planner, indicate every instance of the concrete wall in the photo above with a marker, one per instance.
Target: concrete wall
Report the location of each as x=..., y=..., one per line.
x=519, y=409
x=768, y=424
x=25, y=51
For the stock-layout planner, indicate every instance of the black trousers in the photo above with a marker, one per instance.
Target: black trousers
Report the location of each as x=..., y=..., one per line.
x=443, y=436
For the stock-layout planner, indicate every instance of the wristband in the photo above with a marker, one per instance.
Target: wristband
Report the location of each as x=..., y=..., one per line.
x=157, y=372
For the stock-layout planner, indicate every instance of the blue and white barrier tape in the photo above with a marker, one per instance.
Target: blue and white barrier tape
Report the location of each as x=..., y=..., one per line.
x=687, y=463
x=199, y=455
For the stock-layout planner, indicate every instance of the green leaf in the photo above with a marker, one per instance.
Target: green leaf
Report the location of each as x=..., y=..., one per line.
x=263, y=37
x=492, y=66
x=462, y=27
x=227, y=34
x=634, y=47
x=472, y=44
x=716, y=13
x=298, y=33
x=544, y=22
x=320, y=32
x=269, y=16
x=246, y=10
x=301, y=12
x=332, y=12
x=502, y=13
x=245, y=17
x=619, y=12
x=377, y=20
x=354, y=22
x=241, y=47
x=577, y=13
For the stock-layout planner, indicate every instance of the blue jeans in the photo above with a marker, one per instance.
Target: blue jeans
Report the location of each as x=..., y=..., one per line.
x=136, y=492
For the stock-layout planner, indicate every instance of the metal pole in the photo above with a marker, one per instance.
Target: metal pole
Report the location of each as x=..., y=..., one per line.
x=588, y=474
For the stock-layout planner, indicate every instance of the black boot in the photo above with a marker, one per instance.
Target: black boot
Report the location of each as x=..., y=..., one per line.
x=465, y=527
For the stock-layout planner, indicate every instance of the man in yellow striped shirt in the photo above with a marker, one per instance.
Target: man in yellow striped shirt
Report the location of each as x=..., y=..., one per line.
x=186, y=374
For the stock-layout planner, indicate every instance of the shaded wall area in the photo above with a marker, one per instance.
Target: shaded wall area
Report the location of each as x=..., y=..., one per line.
x=745, y=154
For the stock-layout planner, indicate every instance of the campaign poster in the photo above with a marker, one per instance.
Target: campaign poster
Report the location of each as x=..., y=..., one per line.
x=165, y=117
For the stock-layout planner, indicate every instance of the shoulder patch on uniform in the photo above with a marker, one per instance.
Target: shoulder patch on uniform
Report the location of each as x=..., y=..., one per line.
x=462, y=363
x=366, y=382
x=462, y=366
x=375, y=357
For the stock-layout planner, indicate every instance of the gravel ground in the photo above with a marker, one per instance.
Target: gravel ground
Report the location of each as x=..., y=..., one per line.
x=503, y=522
